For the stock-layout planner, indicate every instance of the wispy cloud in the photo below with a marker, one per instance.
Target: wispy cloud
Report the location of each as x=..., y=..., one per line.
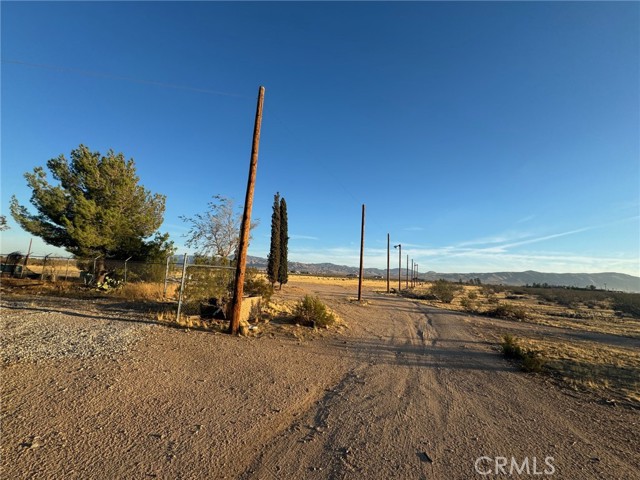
x=495, y=239
x=544, y=238
x=526, y=219
x=302, y=237
x=414, y=229
x=451, y=259
x=496, y=253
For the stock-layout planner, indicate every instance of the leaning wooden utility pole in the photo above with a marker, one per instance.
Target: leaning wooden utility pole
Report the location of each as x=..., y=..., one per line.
x=245, y=227
x=361, y=257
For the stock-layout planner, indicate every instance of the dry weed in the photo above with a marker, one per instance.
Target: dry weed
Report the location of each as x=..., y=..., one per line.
x=141, y=291
x=591, y=365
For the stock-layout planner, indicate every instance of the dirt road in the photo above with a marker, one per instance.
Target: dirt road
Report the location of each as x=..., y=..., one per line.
x=407, y=391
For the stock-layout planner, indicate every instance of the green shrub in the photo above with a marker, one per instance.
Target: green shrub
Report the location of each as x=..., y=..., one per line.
x=204, y=283
x=510, y=346
x=444, y=291
x=628, y=303
x=312, y=312
x=508, y=311
x=468, y=305
x=530, y=360
x=257, y=286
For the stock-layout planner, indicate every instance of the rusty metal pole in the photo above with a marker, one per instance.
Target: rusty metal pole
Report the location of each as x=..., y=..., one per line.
x=361, y=257
x=243, y=244
x=388, y=245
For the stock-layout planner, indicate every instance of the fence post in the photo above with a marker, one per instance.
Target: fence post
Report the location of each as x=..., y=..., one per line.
x=44, y=266
x=125, y=269
x=166, y=278
x=184, y=274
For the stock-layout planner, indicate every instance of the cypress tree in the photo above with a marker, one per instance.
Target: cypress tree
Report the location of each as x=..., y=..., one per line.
x=273, y=260
x=283, y=272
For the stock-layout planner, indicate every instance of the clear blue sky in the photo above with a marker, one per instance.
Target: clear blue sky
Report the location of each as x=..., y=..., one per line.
x=481, y=136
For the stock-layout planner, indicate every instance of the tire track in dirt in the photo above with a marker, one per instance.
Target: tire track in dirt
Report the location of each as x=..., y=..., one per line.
x=435, y=398
x=334, y=438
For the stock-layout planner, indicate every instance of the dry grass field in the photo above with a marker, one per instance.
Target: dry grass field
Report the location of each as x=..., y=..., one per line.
x=584, y=341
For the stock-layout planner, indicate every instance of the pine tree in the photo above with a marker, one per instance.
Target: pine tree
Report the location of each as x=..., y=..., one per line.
x=97, y=207
x=283, y=272
x=273, y=261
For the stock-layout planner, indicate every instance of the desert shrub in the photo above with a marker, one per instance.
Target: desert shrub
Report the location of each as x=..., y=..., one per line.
x=508, y=311
x=204, y=283
x=256, y=285
x=412, y=293
x=568, y=297
x=492, y=299
x=530, y=360
x=468, y=304
x=628, y=303
x=444, y=291
x=510, y=346
x=312, y=312
x=149, y=272
x=472, y=295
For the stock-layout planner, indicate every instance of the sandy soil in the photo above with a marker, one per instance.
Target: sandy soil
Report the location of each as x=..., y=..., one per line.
x=406, y=391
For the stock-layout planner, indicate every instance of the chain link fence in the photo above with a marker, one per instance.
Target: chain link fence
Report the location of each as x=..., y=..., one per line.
x=191, y=285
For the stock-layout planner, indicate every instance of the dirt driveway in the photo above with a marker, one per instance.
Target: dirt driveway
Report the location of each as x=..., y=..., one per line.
x=406, y=391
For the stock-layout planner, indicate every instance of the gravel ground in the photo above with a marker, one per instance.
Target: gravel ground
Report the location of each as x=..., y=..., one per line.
x=31, y=333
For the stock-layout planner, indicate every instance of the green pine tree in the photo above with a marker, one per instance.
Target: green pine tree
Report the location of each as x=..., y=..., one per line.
x=273, y=260
x=97, y=207
x=283, y=272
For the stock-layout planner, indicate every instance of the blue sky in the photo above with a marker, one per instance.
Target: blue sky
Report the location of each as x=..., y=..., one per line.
x=482, y=136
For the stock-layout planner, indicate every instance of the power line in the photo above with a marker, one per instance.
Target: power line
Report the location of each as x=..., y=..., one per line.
x=110, y=76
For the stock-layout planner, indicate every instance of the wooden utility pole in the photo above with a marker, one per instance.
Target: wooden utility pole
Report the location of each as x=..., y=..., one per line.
x=388, y=245
x=407, y=278
x=361, y=257
x=412, y=274
x=399, y=247
x=245, y=227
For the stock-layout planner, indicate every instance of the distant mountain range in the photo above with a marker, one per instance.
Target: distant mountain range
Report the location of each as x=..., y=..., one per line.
x=608, y=280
